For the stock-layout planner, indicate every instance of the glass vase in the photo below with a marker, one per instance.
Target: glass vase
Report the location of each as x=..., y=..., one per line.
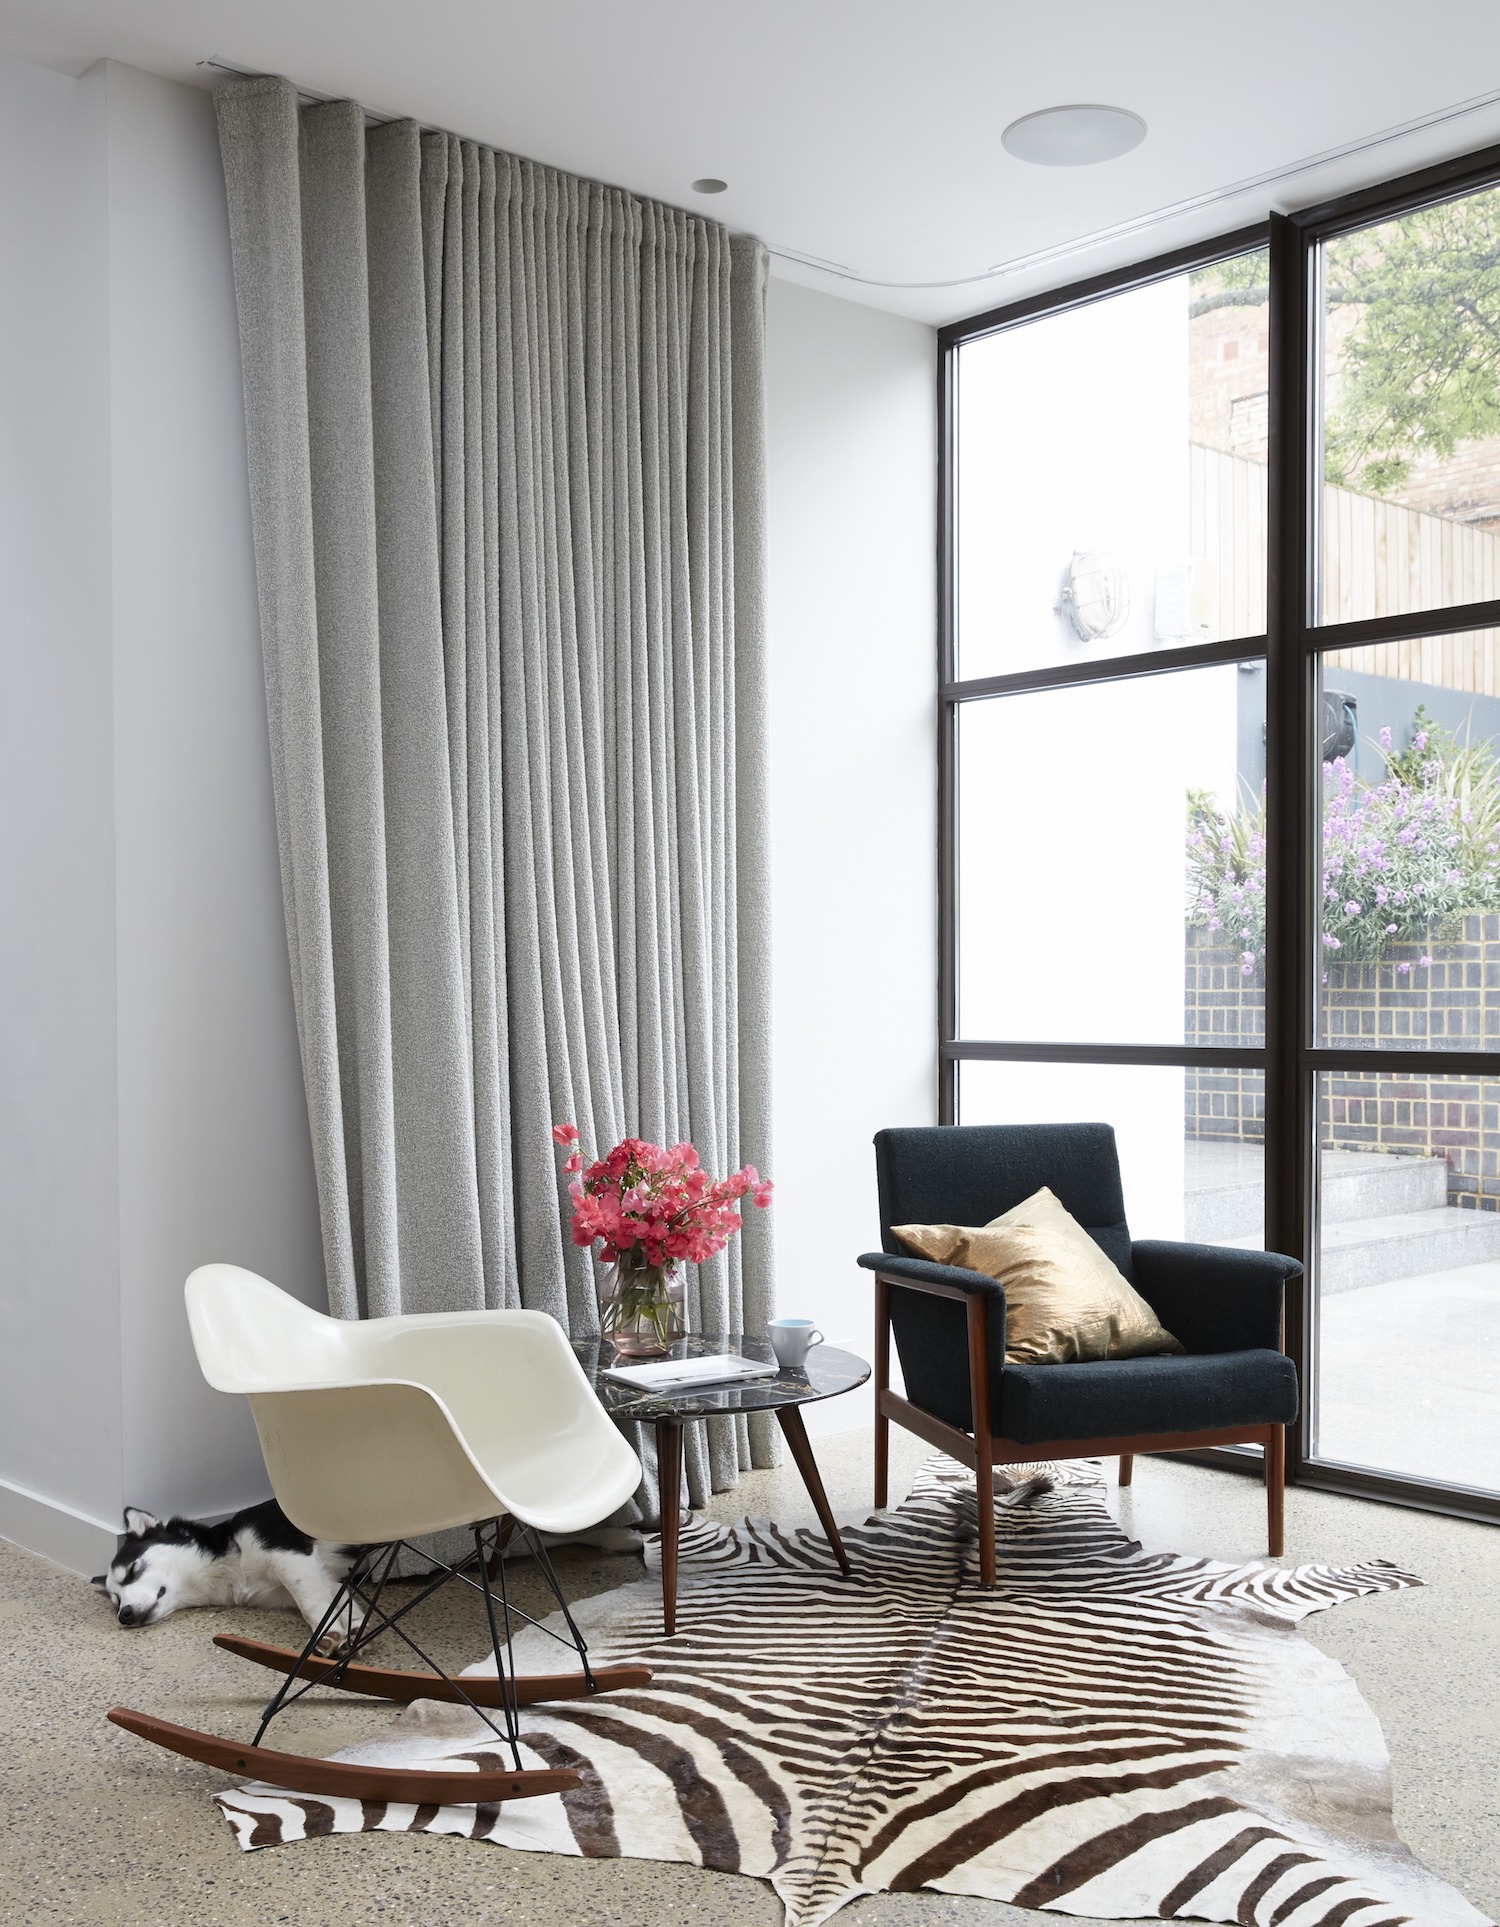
x=641, y=1309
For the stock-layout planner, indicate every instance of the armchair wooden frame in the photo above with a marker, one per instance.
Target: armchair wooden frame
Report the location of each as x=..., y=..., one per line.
x=982, y=1451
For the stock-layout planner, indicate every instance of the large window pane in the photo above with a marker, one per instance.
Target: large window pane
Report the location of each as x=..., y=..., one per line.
x=1112, y=475
x=1191, y=1142
x=1411, y=412
x=1408, y=1276
x=1410, y=931
x=1110, y=857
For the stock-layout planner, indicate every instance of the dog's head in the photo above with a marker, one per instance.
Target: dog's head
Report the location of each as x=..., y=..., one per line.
x=153, y=1569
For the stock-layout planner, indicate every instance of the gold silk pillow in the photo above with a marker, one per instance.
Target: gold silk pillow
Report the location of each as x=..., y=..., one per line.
x=1064, y=1300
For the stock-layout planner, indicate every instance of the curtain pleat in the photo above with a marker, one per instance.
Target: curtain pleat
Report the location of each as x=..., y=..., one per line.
x=506, y=433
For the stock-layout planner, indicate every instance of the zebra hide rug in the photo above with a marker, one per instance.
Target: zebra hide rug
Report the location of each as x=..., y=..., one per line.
x=1110, y=1732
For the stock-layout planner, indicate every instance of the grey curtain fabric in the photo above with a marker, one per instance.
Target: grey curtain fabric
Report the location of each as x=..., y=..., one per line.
x=506, y=437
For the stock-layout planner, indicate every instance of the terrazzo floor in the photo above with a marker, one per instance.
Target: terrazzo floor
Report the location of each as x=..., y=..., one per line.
x=96, y=1830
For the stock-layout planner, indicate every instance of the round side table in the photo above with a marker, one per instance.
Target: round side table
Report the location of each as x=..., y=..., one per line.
x=826, y=1373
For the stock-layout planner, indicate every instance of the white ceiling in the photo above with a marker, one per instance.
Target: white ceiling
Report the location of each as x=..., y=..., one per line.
x=867, y=132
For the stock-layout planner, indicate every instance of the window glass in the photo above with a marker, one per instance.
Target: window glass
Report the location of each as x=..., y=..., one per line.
x=1111, y=861
x=1408, y=1275
x=1191, y=1142
x=1112, y=475
x=1409, y=938
x=1411, y=412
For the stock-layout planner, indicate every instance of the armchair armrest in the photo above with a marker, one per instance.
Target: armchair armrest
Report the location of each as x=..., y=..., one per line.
x=1215, y=1298
x=946, y=1321
x=922, y=1271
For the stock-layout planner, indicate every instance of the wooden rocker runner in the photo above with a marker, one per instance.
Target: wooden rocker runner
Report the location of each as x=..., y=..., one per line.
x=383, y=1430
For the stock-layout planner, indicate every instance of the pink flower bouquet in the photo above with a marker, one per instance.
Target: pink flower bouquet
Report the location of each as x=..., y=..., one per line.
x=648, y=1209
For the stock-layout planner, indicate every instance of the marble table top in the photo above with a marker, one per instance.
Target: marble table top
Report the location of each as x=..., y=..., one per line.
x=826, y=1373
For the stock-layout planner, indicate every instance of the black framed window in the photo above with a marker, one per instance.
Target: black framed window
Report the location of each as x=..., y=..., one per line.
x=1219, y=766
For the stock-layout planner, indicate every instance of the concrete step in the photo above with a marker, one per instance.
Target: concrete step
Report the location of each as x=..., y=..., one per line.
x=1374, y=1251
x=1225, y=1198
x=1407, y=1244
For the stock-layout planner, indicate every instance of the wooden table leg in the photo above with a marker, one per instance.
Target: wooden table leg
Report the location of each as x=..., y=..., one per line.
x=882, y=1384
x=669, y=1486
x=795, y=1433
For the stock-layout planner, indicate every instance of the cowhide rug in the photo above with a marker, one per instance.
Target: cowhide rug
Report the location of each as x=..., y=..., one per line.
x=1110, y=1732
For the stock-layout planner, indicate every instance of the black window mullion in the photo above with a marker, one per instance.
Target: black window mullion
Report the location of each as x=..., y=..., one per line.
x=1290, y=756
x=1074, y=675
x=947, y=727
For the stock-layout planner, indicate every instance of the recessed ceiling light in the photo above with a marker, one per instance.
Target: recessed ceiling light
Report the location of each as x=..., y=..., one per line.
x=708, y=185
x=1077, y=136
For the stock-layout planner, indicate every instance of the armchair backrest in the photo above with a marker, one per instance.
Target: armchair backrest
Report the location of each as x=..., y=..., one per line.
x=970, y=1173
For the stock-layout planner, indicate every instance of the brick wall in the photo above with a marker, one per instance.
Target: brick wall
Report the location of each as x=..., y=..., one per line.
x=1455, y=1118
x=1452, y=1004
x=1222, y=1006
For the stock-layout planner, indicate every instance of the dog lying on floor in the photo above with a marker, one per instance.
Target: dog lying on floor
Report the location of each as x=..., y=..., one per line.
x=256, y=1558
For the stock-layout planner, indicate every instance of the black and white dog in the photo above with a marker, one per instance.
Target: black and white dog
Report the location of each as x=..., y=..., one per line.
x=256, y=1558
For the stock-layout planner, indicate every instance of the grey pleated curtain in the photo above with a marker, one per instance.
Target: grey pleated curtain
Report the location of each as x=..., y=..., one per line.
x=506, y=441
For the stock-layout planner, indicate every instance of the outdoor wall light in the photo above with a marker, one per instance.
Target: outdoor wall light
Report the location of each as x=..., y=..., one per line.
x=1096, y=594
x=1076, y=136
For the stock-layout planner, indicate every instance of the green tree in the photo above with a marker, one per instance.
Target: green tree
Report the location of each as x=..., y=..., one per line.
x=1420, y=371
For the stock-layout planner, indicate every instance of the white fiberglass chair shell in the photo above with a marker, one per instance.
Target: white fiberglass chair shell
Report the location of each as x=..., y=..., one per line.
x=378, y=1431
x=389, y=1428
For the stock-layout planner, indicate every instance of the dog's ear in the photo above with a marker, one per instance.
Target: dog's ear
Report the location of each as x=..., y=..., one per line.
x=137, y=1521
x=99, y=1579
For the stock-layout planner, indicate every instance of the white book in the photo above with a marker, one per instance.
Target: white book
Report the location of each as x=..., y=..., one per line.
x=676, y=1374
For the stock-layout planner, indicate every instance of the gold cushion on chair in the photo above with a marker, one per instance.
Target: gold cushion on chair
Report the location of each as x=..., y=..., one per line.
x=1064, y=1300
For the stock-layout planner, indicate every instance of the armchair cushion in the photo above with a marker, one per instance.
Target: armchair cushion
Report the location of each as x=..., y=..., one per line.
x=1124, y=1397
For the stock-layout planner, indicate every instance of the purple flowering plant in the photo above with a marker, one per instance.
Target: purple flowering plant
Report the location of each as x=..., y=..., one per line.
x=1400, y=857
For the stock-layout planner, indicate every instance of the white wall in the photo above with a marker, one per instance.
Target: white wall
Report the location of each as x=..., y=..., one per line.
x=60, y=1399
x=215, y=1158
x=852, y=426
x=151, y=1105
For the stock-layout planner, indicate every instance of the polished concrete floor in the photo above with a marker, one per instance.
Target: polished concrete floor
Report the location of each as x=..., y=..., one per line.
x=96, y=1828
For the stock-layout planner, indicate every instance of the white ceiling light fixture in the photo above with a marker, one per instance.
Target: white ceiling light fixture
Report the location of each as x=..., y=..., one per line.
x=1075, y=136
x=708, y=185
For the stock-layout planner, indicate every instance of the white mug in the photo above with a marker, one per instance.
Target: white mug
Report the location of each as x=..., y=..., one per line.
x=792, y=1339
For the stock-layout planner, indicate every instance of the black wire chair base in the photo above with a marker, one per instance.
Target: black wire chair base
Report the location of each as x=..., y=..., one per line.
x=357, y=1616
x=360, y=1598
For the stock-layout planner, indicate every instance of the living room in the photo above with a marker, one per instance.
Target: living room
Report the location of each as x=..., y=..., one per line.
x=820, y=635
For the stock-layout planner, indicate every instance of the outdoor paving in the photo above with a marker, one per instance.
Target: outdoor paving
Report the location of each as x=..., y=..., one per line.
x=1408, y=1364
x=1409, y=1376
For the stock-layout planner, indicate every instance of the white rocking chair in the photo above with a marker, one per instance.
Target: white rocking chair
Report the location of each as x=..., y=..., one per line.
x=383, y=1430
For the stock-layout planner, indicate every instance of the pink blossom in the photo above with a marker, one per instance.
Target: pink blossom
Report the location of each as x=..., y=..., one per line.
x=661, y=1203
x=565, y=1133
